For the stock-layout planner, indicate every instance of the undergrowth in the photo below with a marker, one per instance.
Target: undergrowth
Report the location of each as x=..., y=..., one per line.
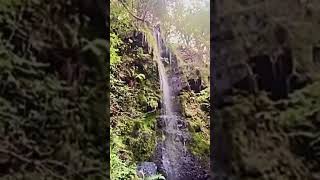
x=134, y=96
x=195, y=107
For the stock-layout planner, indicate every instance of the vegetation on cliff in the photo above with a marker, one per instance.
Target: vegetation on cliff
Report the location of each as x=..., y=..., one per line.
x=51, y=117
x=271, y=89
x=135, y=90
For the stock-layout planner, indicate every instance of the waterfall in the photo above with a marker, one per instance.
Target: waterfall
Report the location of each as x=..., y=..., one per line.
x=163, y=78
x=169, y=156
x=176, y=162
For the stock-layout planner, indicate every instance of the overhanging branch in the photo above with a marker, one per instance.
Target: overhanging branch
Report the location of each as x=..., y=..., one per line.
x=133, y=15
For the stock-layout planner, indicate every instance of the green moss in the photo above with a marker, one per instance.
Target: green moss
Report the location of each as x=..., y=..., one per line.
x=137, y=136
x=134, y=106
x=132, y=140
x=302, y=104
x=120, y=161
x=198, y=123
x=148, y=34
x=201, y=146
x=143, y=141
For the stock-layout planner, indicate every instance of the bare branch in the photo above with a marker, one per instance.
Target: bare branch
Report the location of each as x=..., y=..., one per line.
x=133, y=15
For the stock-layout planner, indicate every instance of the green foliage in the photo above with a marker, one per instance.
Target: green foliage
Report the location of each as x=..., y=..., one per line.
x=187, y=29
x=138, y=136
x=134, y=94
x=120, y=26
x=134, y=98
x=120, y=168
x=148, y=98
x=204, y=97
x=148, y=34
x=188, y=22
x=115, y=42
x=302, y=104
x=9, y=5
x=198, y=122
x=48, y=126
x=121, y=21
x=201, y=146
x=257, y=124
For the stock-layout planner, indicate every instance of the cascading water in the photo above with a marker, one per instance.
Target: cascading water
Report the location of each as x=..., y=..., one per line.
x=167, y=107
x=163, y=79
x=175, y=161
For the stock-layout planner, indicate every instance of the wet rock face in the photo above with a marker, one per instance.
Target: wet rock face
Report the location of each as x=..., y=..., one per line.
x=160, y=123
x=172, y=151
x=273, y=73
x=137, y=40
x=262, y=66
x=146, y=169
x=195, y=85
x=275, y=76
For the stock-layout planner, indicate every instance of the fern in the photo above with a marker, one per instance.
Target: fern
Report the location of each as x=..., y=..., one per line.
x=140, y=77
x=114, y=43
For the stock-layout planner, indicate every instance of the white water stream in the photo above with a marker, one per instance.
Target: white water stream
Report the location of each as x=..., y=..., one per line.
x=169, y=155
x=177, y=163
